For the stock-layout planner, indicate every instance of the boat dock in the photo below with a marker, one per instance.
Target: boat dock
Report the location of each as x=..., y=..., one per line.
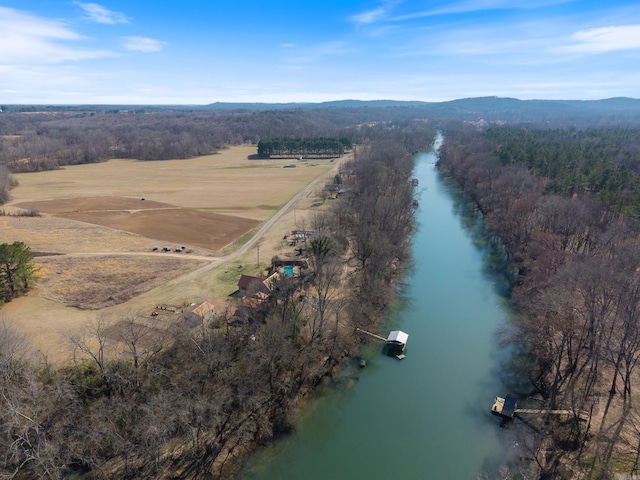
x=508, y=408
x=396, y=342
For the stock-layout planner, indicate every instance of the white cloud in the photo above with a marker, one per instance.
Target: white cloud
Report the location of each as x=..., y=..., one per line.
x=375, y=15
x=370, y=16
x=15, y=21
x=604, y=39
x=382, y=13
x=142, y=44
x=27, y=39
x=99, y=14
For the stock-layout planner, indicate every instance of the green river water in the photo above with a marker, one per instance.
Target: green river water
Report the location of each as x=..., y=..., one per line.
x=427, y=416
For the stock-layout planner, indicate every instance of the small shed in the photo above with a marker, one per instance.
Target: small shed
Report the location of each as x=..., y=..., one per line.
x=397, y=342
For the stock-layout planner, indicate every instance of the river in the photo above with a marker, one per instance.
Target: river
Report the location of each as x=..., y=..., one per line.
x=427, y=416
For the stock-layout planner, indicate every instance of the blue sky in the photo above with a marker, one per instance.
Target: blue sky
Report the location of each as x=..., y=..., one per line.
x=199, y=52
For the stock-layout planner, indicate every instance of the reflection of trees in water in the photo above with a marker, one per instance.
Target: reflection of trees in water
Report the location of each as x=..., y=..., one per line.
x=576, y=337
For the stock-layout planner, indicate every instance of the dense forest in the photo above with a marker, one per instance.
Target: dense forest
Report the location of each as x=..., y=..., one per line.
x=191, y=403
x=316, y=147
x=576, y=253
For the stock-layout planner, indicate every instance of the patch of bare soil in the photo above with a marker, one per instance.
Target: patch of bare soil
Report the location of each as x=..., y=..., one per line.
x=151, y=219
x=63, y=206
x=98, y=282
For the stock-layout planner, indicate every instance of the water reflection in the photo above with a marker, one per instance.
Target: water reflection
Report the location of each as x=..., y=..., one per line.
x=427, y=416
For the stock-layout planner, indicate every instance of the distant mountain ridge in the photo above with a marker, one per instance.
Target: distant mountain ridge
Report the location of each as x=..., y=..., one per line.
x=617, y=103
x=553, y=112
x=609, y=111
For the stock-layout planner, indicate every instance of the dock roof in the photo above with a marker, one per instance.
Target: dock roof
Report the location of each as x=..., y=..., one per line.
x=398, y=336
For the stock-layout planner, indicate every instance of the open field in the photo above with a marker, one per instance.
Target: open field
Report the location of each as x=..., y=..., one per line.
x=208, y=230
x=229, y=182
x=95, y=239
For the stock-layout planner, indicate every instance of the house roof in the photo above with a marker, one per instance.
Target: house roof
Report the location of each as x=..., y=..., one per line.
x=247, y=280
x=269, y=281
x=398, y=337
x=202, y=309
x=510, y=404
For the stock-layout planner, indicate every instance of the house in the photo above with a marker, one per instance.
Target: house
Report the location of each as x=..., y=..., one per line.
x=269, y=283
x=204, y=310
x=198, y=314
x=289, y=267
x=249, y=285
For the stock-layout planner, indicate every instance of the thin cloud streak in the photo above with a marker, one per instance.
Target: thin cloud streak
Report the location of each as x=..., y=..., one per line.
x=383, y=13
x=99, y=14
x=375, y=15
x=604, y=39
x=142, y=44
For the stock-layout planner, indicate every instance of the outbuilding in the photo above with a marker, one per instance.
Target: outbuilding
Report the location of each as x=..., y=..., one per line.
x=397, y=342
x=505, y=407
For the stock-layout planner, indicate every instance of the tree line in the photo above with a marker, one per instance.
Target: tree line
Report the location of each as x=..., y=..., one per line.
x=37, y=142
x=47, y=140
x=315, y=147
x=138, y=402
x=577, y=330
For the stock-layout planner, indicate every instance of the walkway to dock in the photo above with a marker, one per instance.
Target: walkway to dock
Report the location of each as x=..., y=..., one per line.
x=508, y=408
x=372, y=334
x=534, y=411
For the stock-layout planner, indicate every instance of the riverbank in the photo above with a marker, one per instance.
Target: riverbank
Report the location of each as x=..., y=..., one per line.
x=193, y=403
x=576, y=298
x=420, y=413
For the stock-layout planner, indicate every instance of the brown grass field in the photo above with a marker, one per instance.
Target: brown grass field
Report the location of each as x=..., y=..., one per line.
x=94, y=241
x=150, y=219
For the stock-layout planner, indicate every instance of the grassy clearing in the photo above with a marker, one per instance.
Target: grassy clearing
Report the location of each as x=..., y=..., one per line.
x=228, y=182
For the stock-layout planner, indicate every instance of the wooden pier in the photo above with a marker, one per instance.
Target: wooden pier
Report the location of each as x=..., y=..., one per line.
x=372, y=334
x=541, y=411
